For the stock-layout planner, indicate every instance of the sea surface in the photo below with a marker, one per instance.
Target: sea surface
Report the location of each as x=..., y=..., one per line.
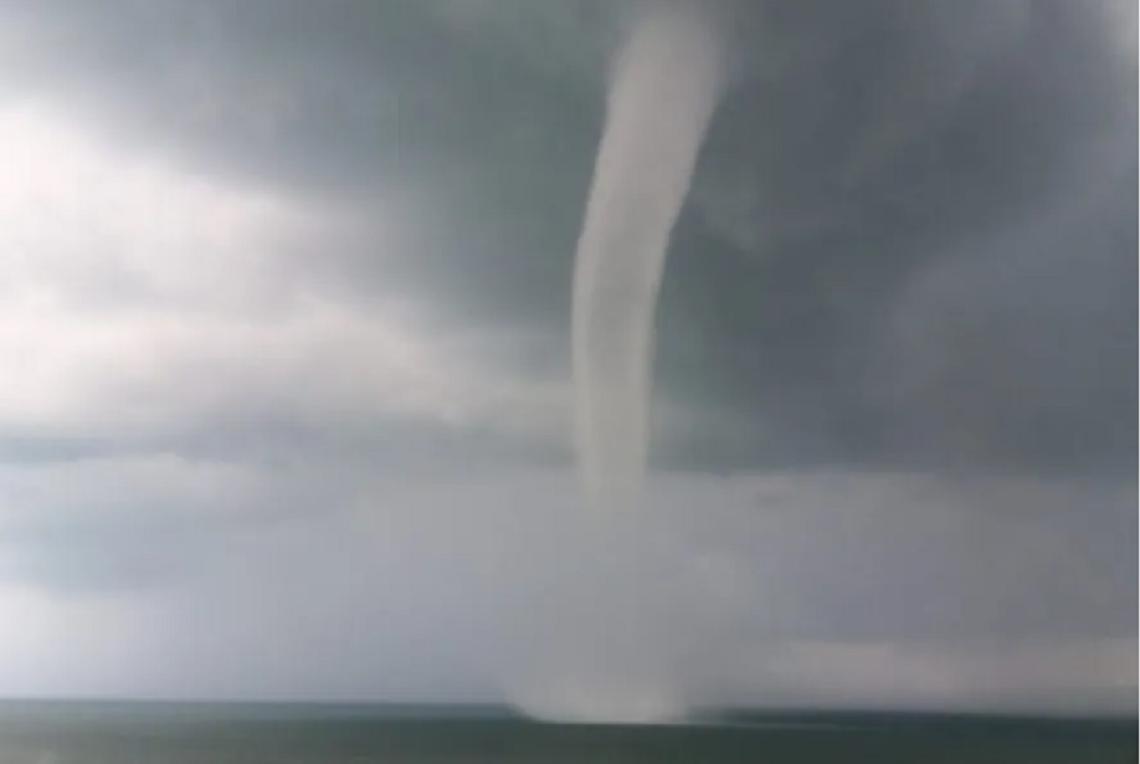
x=73, y=732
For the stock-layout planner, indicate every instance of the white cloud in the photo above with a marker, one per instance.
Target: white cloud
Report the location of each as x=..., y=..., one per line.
x=139, y=296
x=81, y=220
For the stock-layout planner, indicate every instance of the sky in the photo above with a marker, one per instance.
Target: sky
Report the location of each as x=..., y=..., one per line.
x=286, y=404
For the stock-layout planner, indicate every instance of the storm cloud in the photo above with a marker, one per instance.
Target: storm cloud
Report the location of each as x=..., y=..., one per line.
x=285, y=318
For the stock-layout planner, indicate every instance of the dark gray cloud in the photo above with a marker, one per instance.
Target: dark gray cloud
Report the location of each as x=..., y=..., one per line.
x=857, y=149
x=1011, y=167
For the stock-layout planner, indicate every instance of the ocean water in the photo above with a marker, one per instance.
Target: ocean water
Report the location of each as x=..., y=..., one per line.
x=43, y=732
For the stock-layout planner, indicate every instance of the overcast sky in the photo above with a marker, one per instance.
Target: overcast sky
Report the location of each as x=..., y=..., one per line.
x=284, y=314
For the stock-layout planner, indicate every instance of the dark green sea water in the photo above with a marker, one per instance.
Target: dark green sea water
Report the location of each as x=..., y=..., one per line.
x=44, y=732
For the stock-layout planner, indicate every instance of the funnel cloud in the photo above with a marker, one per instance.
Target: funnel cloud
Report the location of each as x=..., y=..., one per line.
x=663, y=94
